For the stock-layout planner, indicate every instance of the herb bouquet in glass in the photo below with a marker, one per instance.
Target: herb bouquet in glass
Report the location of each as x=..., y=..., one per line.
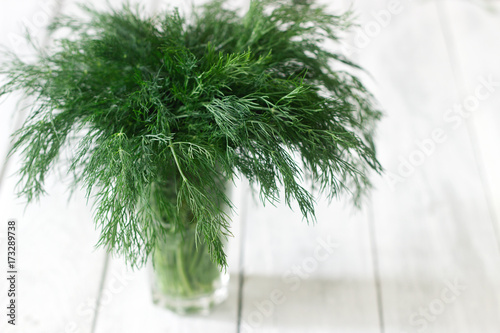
x=163, y=113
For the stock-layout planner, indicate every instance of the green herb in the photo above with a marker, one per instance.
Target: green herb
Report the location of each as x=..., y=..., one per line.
x=159, y=111
x=183, y=268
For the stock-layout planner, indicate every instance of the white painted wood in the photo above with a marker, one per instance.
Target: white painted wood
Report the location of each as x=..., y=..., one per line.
x=434, y=232
x=58, y=268
x=305, y=278
x=129, y=308
x=474, y=38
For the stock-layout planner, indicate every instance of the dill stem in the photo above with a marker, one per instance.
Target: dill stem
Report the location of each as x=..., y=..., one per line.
x=181, y=270
x=177, y=162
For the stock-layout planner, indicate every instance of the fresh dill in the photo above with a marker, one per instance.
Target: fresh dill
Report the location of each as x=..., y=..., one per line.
x=160, y=111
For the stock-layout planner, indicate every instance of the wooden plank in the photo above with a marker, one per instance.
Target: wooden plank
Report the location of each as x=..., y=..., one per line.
x=304, y=278
x=472, y=32
x=58, y=269
x=437, y=251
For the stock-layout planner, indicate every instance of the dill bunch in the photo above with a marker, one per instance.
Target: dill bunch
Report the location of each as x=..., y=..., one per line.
x=161, y=111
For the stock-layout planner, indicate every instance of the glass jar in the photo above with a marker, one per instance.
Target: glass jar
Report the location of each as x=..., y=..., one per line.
x=184, y=278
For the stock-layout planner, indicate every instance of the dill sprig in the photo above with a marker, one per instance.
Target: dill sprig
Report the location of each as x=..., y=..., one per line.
x=160, y=111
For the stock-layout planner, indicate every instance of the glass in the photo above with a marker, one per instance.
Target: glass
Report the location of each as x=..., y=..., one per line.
x=184, y=278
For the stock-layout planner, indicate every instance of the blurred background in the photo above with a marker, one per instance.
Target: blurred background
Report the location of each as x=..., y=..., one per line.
x=423, y=255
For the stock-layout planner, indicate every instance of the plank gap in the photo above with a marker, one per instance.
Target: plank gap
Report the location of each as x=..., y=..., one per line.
x=375, y=264
x=241, y=262
x=99, y=293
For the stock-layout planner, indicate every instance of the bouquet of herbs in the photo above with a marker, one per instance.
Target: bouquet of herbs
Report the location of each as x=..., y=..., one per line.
x=161, y=112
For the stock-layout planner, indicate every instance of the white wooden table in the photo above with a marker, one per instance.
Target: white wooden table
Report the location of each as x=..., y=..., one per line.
x=423, y=255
